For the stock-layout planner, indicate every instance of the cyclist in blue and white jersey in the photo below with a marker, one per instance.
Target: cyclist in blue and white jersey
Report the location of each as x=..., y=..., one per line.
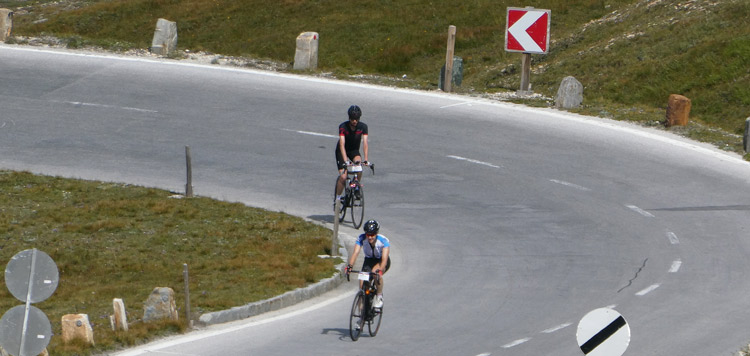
x=376, y=248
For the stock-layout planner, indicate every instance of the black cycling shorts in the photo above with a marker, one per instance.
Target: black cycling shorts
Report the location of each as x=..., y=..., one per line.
x=371, y=262
x=340, y=162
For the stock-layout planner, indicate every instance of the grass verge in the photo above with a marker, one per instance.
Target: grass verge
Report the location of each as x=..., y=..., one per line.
x=118, y=241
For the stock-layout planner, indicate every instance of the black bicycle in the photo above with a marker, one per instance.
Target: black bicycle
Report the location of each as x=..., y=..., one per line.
x=354, y=194
x=363, y=311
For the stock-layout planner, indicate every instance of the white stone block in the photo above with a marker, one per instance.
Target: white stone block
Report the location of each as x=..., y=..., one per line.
x=306, y=55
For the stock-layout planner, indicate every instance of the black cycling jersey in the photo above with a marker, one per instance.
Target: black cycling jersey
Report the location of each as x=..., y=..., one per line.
x=352, y=137
x=352, y=140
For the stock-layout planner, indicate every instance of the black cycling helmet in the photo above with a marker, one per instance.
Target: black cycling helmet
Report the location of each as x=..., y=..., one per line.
x=354, y=112
x=372, y=227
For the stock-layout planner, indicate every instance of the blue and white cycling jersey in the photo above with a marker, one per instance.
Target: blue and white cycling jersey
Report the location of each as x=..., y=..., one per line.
x=370, y=252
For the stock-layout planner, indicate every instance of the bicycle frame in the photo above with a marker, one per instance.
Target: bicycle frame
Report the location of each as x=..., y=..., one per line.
x=353, y=194
x=365, y=313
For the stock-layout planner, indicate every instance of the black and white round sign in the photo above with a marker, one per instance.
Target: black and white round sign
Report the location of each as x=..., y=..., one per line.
x=603, y=332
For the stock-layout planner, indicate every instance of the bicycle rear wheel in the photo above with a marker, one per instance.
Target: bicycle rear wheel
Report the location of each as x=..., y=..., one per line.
x=374, y=324
x=357, y=317
x=358, y=207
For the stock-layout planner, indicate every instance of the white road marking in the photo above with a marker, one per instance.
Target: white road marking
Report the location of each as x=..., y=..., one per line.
x=78, y=103
x=673, y=238
x=485, y=354
x=312, y=133
x=640, y=211
x=459, y=104
x=556, y=328
x=568, y=184
x=200, y=335
x=473, y=161
x=649, y=289
x=516, y=343
x=675, y=266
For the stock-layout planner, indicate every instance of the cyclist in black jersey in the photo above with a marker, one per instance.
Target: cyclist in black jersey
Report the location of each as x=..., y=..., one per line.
x=351, y=134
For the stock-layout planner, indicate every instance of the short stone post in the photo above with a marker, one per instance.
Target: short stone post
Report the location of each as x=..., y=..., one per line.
x=457, y=75
x=678, y=110
x=570, y=94
x=306, y=54
x=165, y=37
x=77, y=326
x=6, y=24
x=119, y=319
x=160, y=305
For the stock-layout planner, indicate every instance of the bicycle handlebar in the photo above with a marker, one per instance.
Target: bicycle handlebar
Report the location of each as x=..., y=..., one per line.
x=355, y=271
x=366, y=163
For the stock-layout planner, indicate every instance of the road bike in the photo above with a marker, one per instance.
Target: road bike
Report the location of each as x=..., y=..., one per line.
x=353, y=198
x=363, y=311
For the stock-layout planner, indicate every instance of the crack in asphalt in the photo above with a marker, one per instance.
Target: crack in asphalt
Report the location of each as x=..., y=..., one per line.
x=634, y=277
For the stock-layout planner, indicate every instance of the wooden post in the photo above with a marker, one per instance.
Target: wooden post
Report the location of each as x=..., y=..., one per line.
x=449, y=59
x=525, y=73
x=335, y=238
x=187, y=294
x=745, y=138
x=189, y=185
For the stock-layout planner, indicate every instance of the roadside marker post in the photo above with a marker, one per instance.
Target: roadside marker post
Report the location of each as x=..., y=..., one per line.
x=527, y=32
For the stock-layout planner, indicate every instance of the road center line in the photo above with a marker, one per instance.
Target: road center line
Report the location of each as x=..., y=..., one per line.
x=556, y=328
x=648, y=290
x=568, y=184
x=640, y=211
x=673, y=238
x=312, y=133
x=675, y=266
x=516, y=343
x=473, y=161
x=78, y=103
x=459, y=104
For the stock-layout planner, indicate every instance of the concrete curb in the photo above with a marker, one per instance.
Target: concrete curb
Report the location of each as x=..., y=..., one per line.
x=282, y=301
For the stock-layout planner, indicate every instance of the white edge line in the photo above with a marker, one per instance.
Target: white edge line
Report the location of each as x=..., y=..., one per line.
x=516, y=343
x=649, y=289
x=675, y=266
x=146, y=349
x=640, y=211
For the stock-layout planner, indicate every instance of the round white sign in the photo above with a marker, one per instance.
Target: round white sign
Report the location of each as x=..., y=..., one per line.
x=603, y=332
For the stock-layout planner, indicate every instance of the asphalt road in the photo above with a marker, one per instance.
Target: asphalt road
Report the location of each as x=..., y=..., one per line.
x=508, y=224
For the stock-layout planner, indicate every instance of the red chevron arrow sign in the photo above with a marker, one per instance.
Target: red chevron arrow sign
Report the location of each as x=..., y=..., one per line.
x=527, y=30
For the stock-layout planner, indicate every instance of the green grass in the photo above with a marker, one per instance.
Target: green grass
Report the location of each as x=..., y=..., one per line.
x=118, y=241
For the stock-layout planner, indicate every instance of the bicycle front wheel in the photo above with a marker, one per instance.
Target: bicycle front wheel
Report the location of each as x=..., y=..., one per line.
x=358, y=207
x=357, y=317
x=374, y=324
x=341, y=213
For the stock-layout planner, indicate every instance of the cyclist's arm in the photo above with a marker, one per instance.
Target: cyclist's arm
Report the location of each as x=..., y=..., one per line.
x=384, y=260
x=342, y=149
x=353, y=258
x=364, y=146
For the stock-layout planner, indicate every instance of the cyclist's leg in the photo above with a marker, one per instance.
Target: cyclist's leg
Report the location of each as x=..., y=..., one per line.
x=340, y=163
